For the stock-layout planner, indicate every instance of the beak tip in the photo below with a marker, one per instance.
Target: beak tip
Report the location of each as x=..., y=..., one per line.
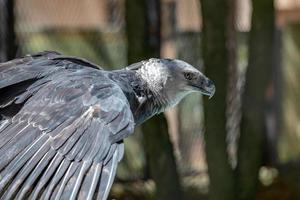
x=211, y=94
x=212, y=90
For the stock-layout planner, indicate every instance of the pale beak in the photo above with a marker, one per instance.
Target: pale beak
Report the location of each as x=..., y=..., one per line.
x=210, y=88
x=205, y=86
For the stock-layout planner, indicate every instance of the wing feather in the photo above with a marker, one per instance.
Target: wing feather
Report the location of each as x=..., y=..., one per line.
x=66, y=140
x=4, y=124
x=91, y=182
x=28, y=174
x=12, y=132
x=52, y=167
x=15, y=146
x=107, y=176
x=55, y=181
x=71, y=170
x=34, y=175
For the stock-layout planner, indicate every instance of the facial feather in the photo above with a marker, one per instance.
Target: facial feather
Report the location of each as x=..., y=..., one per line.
x=172, y=79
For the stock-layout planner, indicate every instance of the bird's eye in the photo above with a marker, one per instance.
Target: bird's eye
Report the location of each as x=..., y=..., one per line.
x=189, y=75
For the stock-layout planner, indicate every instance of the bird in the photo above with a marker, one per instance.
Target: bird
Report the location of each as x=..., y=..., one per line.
x=64, y=119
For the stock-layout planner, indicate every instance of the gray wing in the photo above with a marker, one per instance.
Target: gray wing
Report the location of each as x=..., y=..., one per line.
x=18, y=74
x=66, y=140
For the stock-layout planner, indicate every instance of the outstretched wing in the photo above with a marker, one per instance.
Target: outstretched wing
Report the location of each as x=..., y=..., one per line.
x=18, y=74
x=66, y=140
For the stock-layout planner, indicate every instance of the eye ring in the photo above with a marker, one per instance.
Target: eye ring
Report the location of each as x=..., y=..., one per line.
x=188, y=75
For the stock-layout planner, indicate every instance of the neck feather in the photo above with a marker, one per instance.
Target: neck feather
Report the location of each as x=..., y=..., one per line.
x=144, y=97
x=156, y=95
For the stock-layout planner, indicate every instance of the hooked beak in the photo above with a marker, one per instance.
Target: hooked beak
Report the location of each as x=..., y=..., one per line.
x=208, y=89
x=205, y=86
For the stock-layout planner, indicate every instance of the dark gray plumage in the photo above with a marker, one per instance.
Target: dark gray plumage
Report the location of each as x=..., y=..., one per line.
x=64, y=120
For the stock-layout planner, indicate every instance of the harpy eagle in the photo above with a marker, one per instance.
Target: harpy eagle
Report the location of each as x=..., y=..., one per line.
x=63, y=120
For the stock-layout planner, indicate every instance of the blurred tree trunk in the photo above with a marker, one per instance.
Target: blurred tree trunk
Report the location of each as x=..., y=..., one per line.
x=143, y=37
x=8, y=47
x=233, y=109
x=217, y=60
x=289, y=139
x=159, y=150
x=253, y=125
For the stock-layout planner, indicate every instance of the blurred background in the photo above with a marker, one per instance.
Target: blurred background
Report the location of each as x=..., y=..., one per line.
x=244, y=143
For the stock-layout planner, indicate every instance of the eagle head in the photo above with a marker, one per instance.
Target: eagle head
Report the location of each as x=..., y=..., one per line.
x=172, y=79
